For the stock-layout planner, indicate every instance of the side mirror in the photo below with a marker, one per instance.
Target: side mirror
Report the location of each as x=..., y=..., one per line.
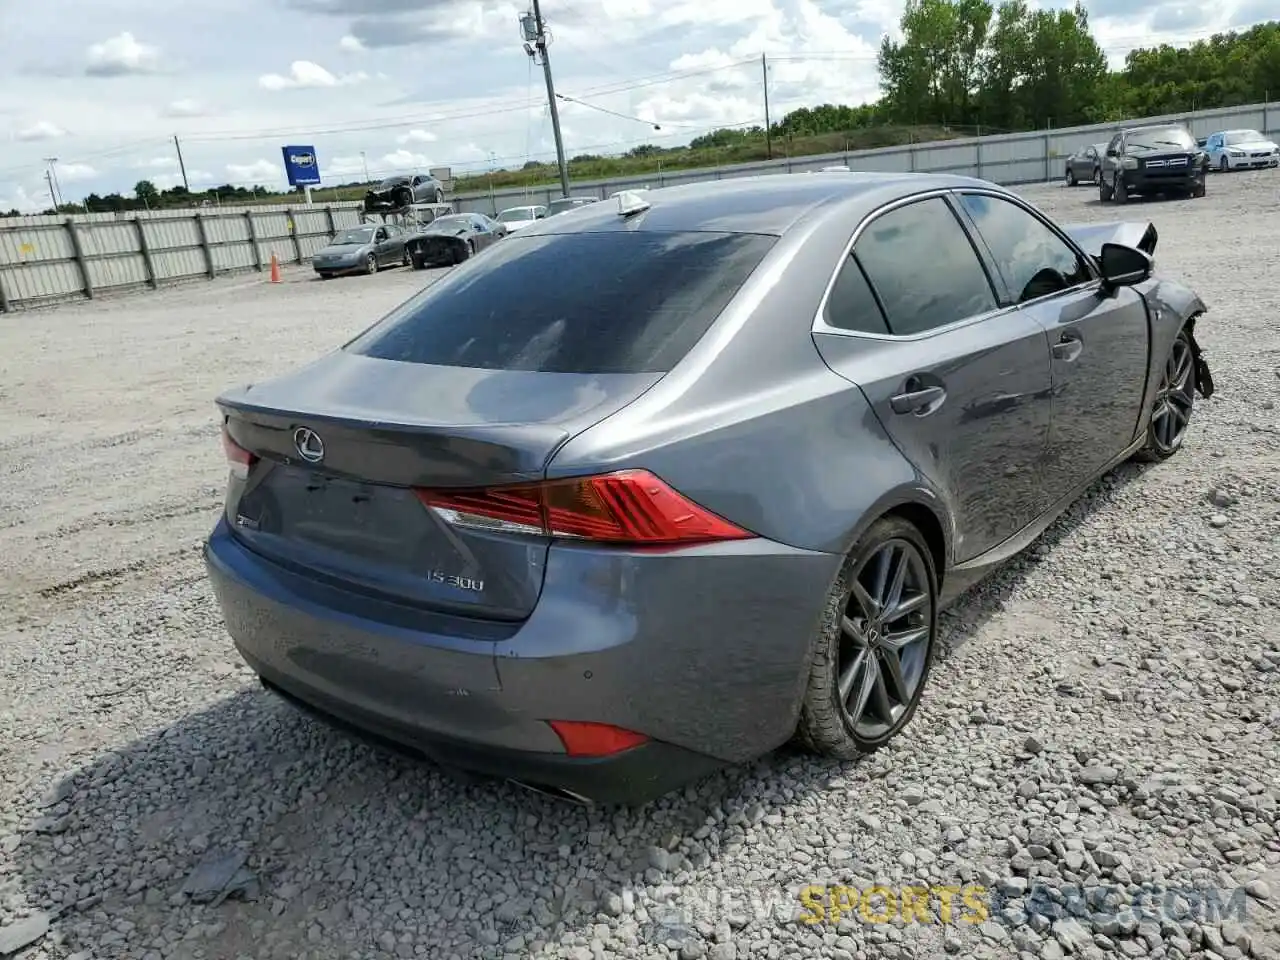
x=1123, y=266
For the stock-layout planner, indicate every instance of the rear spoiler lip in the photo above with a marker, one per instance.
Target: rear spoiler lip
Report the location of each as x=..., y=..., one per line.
x=1140, y=234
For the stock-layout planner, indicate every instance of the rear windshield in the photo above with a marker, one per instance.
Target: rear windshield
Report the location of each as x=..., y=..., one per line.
x=572, y=303
x=1171, y=138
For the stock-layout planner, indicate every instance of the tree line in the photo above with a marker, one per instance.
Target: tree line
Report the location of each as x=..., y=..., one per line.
x=962, y=65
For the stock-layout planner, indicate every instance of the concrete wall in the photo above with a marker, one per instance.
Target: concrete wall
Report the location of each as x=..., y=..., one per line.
x=51, y=259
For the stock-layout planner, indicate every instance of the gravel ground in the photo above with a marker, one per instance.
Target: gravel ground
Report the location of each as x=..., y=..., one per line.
x=1098, y=744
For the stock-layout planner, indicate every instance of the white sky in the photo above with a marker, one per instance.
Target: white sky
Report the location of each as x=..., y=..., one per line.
x=417, y=83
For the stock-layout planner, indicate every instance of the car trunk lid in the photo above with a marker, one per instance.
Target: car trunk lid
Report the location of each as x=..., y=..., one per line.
x=338, y=448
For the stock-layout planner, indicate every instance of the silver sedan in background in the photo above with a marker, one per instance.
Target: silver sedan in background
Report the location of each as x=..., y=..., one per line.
x=1085, y=164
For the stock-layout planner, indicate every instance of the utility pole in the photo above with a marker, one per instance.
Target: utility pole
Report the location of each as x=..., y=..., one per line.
x=48, y=178
x=768, y=134
x=52, y=176
x=181, y=166
x=535, y=32
x=365, y=161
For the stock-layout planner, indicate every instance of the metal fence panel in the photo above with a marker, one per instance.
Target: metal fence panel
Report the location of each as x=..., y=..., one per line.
x=42, y=262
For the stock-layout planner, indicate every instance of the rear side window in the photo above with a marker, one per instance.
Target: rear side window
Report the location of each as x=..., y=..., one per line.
x=852, y=305
x=923, y=267
x=627, y=302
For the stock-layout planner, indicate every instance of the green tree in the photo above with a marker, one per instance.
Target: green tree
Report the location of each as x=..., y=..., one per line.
x=146, y=192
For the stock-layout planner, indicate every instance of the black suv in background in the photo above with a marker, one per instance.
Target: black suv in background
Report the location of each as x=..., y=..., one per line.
x=1159, y=158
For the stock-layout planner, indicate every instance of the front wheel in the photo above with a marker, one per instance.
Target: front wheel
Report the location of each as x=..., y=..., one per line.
x=1224, y=164
x=1071, y=177
x=371, y=263
x=1174, y=403
x=404, y=260
x=1120, y=191
x=875, y=646
x=1104, y=191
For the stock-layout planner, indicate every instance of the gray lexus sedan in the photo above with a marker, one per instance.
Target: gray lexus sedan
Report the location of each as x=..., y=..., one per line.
x=600, y=538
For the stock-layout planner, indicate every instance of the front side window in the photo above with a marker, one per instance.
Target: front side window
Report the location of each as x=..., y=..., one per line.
x=923, y=267
x=593, y=303
x=1033, y=260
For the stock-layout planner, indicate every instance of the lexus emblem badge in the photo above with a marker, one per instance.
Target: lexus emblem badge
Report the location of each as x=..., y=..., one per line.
x=309, y=445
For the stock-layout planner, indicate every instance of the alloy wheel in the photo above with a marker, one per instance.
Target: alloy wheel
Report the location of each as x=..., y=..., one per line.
x=1171, y=412
x=371, y=263
x=885, y=634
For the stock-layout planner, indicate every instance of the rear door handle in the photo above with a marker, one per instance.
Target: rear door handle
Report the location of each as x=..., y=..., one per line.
x=1068, y=348
x=921, y=402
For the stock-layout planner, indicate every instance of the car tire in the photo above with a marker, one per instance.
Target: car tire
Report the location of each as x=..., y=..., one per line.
x=325, y=276
x=405, y=259
x=1198, y=190
x=371, y=263
x=1174, y=403
x=471, y=249
x=1104, y=191
x=439, y=196
x=1071, y=177
x=1120, y=192
x=875, y=702
x=404, y=198
x=1097, y=174
x=1224, y=165
x=419, y=264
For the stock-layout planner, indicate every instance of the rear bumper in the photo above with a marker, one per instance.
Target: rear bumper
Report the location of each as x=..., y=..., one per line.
x=705, y=652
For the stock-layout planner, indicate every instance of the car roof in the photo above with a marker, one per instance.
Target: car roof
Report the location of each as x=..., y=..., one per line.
x=768, y=204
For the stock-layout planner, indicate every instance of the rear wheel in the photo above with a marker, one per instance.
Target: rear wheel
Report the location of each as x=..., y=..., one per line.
x=875, y=646
x=1174, y=403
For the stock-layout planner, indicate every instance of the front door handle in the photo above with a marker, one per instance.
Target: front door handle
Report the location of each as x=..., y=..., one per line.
x=1068, y=348
x=920, y=402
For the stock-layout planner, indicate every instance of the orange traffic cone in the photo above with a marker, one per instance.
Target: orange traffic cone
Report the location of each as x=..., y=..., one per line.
x=275, y=269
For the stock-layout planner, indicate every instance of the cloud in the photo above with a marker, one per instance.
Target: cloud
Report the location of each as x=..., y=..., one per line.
x=71, y=172
x=401, y=23
x=156, y=163
x=120, y=56
x=344, y=166
x=185, y=108
x=417, y=136
x=352, y=44
x=306, y=74
x=405, y=159
x=260, y=171
x=41, y=130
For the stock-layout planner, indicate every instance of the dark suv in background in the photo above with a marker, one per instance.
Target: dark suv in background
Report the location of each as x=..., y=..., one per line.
x=1156, y=159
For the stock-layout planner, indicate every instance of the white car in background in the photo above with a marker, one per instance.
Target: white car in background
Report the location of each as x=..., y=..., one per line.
x=1241, y=150
x=513, y=218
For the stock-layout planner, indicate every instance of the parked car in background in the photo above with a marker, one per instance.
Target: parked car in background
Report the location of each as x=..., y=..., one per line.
x=1241, y=150
x=1085, y=164
x=452, y=239
x=516, y=218
x=361, y=250
x=1153, y=159
x=396, y=193
x=604, y=537
x=564, y=204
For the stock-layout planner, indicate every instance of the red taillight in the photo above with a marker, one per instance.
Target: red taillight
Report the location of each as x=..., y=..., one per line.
x=238, y=458
x=583, y=739
x=631, y=507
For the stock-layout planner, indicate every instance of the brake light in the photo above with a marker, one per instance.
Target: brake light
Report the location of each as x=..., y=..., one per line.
x=584, y=739
x=239, y=459
x=628, y=507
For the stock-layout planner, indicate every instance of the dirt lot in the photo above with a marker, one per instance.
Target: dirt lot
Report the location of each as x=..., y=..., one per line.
x=1106, y=716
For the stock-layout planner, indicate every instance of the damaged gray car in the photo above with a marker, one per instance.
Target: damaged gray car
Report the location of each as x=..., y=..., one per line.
x=600, y=538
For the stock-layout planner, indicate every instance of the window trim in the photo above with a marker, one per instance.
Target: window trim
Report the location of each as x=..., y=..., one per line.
x=1095, y=279
x=820, y=324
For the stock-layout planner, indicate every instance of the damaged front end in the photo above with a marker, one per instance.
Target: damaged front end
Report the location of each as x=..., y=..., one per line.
x=1204, y=379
